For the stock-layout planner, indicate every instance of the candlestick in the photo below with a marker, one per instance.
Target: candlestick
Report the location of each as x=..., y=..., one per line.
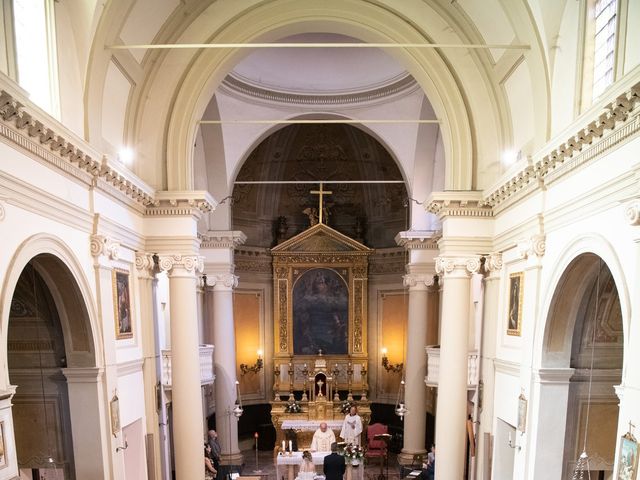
x=290, y=446
x=283, y=447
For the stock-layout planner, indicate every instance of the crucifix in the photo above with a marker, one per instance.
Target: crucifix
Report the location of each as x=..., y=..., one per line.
x=320, y=383
x=321, y=193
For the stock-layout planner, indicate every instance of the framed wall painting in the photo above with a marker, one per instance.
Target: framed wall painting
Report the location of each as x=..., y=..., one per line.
x=628, y=459
x=3, y=456
x=514, y=312
x=122, y=304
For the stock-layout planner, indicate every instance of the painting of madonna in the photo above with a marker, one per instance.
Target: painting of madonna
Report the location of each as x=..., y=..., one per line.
x=320, y=313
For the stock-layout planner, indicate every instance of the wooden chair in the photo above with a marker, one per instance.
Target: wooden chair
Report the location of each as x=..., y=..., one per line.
x=376, y=448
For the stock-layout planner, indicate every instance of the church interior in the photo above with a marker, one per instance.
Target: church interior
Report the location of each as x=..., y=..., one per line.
x=383, y=224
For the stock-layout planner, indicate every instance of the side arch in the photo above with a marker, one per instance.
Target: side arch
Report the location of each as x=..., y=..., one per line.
x=58, y=265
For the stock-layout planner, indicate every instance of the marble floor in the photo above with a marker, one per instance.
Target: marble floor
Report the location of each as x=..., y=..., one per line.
x=264, y=465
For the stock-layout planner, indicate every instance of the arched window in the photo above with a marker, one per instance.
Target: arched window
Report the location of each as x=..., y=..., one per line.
x=35, y=55
x=604, y=45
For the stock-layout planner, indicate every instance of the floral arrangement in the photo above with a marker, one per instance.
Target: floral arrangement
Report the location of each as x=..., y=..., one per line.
x=346, y=406
x=353, y=452
x=293, y=407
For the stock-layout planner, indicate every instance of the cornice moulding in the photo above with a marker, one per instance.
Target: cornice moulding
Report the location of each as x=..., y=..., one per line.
x=602, y=128
x=172, y=203
x=49, y=140
x=458, y=204
x=222, y=239
x=234, y=84
x=418, y=239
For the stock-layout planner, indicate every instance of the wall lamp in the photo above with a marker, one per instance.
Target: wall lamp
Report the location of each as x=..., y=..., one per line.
x=255, y=368
x=395, y=368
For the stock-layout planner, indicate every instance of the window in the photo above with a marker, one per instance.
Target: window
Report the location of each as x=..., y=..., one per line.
x=36, y=53
x=604, y=45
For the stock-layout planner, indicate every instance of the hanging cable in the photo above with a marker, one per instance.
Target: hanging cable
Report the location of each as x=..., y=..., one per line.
x=46, y=455
x=582, y=464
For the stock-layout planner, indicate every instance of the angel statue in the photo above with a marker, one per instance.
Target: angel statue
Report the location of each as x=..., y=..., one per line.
x=312, y=213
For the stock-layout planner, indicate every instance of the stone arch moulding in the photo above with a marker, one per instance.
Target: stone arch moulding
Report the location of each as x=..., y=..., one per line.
x=368, y=22
x=596, y=245
x=270, y=130
x=32, y=247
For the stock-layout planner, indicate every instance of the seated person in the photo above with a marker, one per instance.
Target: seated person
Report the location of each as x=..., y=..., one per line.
x=429, y=468
x=307, y=468
x=209, y=471
x=322, y=439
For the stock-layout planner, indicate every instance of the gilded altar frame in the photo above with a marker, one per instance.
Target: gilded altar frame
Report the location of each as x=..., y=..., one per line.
x=320, y=247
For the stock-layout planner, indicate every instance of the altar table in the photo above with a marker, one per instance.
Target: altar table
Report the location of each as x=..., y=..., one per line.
x=290, y=462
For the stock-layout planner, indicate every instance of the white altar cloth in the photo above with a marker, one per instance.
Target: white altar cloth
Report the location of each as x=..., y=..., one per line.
x=310, y=425
x=291, y=463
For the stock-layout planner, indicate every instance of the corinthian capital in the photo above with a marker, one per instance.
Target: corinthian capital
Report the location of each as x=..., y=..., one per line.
x=222, y=280
x=101, y=245
x=534, y=246
x=145, y=263
x=632, y=213
x=493, y=262
x=418, y=281
x=456, y=266
x=190, y=264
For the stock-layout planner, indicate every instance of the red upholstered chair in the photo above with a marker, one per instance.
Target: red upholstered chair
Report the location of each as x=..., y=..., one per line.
x=376, y=448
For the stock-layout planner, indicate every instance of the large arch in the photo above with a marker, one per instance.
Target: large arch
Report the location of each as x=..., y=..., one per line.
x=56, y=262
x=271, y=21
x=594, y=244
x=556, y=377
x=63, y=275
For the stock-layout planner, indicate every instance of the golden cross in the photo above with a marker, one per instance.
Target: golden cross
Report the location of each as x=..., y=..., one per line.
x=320, y=194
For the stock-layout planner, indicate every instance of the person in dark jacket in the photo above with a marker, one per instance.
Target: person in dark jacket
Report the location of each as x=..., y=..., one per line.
x=334, y=465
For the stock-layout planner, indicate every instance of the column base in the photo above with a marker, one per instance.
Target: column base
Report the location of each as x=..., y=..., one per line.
x=233, y=459
x=407, y=458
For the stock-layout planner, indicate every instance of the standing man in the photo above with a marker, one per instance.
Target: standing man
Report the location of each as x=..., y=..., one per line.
x=352, y=427
x=322, y=439
x=334, y=466
x=215, y=448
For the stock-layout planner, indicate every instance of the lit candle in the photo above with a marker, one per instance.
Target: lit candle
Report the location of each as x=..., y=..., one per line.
x=290, y=446
x=283, y=447
x=509, y=438
x=259, y=354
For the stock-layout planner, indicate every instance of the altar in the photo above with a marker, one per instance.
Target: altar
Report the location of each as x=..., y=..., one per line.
x=289, y=463
x=320, y=333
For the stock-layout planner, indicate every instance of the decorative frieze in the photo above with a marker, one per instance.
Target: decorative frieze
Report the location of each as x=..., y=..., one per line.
x=192, y=264
x=454, y=265
x=101, y=245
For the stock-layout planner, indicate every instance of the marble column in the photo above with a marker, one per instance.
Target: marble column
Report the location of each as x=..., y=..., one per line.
x=225, y=364
x=416, y=363
x=493, y=265
x=188, y=433
x=451, y=413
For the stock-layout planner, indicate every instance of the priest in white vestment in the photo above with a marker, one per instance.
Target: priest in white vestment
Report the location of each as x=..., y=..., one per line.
x=322, y=439
x=352, y=427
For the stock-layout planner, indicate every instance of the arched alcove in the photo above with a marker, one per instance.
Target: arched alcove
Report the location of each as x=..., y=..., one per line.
x=56, y=351
x=371, y=213
x=585, y=338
